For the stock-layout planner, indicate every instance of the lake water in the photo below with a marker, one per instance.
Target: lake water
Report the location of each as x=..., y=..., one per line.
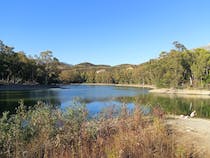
x=99, y=97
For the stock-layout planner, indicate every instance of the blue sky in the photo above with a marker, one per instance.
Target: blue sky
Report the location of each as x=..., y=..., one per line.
x=104, y=31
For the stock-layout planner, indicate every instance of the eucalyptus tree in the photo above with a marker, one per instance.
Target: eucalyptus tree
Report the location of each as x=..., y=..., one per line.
x=47, y=67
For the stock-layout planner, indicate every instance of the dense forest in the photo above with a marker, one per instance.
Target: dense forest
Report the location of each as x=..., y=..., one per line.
x=178, y=68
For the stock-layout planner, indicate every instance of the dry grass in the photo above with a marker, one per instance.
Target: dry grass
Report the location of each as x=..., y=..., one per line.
x=43, y=132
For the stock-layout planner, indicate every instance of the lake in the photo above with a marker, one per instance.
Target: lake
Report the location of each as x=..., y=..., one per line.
x=98, y=98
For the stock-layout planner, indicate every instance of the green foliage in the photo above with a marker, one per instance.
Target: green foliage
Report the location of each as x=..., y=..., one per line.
x=70, y=76
x=33, y=127
x=16, y=67
x=178, y=68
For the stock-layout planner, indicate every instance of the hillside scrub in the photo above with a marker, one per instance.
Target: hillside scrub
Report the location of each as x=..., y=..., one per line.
x=45, y=131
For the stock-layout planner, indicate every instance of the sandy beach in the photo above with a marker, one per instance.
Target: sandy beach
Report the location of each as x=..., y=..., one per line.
x=192, y=132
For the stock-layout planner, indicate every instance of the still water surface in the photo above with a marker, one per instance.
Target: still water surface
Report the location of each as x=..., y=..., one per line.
x=99, y=97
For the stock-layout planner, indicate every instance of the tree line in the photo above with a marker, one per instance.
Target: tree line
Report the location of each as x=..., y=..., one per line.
x=17, y=68
x=178, y=68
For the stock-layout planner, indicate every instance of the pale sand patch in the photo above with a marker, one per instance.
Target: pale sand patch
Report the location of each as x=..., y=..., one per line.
x=193, y=96
x=180, y=91
x=192, y=132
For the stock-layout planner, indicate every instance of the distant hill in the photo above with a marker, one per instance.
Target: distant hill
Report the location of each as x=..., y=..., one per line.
x=87, y=64
x=84, y=64
x=125, y=65
x=64, y=66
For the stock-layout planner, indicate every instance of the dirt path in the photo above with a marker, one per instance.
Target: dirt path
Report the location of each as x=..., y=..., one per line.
x=192, y=132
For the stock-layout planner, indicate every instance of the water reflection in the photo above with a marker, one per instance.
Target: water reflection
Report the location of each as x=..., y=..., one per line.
x=9, y=100
x=100, y=106
x=99, y=97
x=63, y=96
x=173, y=104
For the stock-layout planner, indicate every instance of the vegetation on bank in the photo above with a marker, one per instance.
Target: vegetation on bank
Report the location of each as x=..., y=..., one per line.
x=43, y=131
x=178, y=68
x=16, y=67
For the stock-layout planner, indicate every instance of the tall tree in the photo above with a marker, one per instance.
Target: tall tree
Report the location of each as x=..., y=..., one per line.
x=180, y=47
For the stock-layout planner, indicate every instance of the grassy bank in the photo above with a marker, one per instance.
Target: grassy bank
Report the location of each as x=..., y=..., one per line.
x=43, y=131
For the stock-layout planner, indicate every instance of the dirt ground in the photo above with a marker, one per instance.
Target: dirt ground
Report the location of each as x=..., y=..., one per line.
x=193, y=132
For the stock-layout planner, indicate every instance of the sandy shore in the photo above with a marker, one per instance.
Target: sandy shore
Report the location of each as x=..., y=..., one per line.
x=193, y=96
x=180, y=91
x=136, y=85
x=192, y=132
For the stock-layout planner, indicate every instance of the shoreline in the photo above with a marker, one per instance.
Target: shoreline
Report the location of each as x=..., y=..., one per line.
x=181, y=91
x=152, y=88
x=17, y=87
x=120, y=85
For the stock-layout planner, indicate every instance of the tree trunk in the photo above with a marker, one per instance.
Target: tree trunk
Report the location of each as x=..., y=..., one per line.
x=191, y=81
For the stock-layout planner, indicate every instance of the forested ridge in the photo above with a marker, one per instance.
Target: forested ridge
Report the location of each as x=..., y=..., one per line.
x=178, y=68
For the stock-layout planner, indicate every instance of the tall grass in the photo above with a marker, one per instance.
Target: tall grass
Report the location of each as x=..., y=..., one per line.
x=43, y=131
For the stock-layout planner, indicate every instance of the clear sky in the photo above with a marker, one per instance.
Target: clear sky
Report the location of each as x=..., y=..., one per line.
x=103, y=31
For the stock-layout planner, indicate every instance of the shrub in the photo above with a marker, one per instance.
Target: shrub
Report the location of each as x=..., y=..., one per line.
x=44, y=131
